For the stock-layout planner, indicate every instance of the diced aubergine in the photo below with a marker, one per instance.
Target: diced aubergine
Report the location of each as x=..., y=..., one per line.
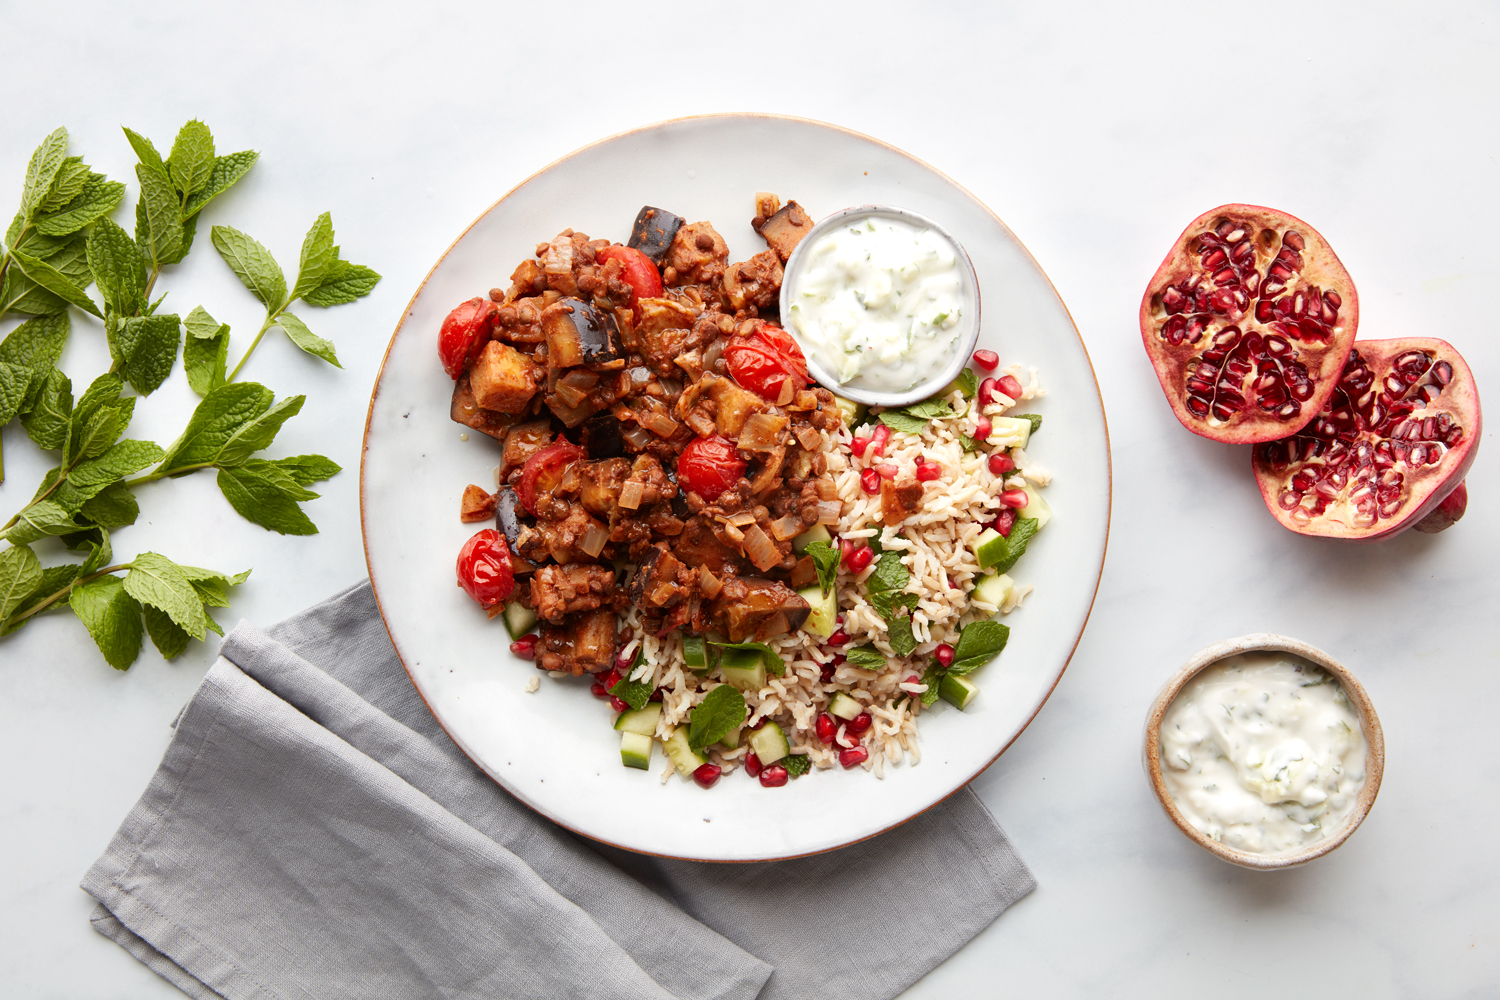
x=583, y=644
x=510, y=516
x=784, y=230
x=579, y=334
x=521, y=442
x=759, y=609
x=465, y=409
x=503, y=378
x=601, y=436
x=653, y=231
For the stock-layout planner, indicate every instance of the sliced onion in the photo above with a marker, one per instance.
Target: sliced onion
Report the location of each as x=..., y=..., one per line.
x=708, y=583
x=809, y=437
x=829, y=511
x=580, y=378
x=712, y=353
x=734, y=534
x=762, y=431
x=631, y=494
x=636, y=436
x=570, y=394
x=569, y=481
x=786, y=527
x=787, y=393
x=671, y=386
x=640, y=375
x=760, y=549
x=595, y=538
x=559, y=256
x=659, y=424
x=741, y=519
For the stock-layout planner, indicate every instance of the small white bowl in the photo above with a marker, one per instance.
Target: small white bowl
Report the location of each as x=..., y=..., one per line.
x=1358, y=698
x=969, y=325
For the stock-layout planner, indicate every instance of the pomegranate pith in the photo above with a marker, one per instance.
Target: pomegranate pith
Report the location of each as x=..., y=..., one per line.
x=1248, y=322
x=1397, y=436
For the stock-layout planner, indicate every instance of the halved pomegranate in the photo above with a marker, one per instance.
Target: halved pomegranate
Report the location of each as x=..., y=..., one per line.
x=1396, y=438
x=1248, y=322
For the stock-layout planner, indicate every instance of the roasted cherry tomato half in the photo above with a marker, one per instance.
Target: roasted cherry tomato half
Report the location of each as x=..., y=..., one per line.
x=764, y=359
x=544, y=470
x=637, y=270
x=484, y=568
x=708, y=466
x=464, y=334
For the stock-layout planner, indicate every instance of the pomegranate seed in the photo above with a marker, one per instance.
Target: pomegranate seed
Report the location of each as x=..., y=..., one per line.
x=988, y=360
x=839, y=658
x=827, y=672
x=944, y=654
x=912, y=679
x=987, y=392
x=1005, y=522
x=1001, y=463
x=928, y=471
x=1014, y=498
x=887, y=470
x=869, y=481
x=878, y=441
x=598, y=690
x=853, y=756
x=657, y=694
x=774, y=776
x=622, y=661
x=860, y=559
x=1008, y=385
x=611, y=679
x=826, y=727
x=838, y=638
x=616, y=705
x=860, y=723
x=982, y=428
x=858, y=446
x=525, y=650
x=708, y=775
x=752, y=764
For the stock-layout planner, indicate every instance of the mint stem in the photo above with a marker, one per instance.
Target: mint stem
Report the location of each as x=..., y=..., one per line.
x=152, y=477
x=270, y=321
x=47, y=602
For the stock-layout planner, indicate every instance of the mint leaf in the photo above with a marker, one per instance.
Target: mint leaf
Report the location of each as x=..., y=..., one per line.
x=222, y=412
x=166, y=635
x=826, y=559
x=99, y=555
x=633, y=693
x=318, y=256
x=932, y=678
x=345, y=283
x=899, y=634
x=192, y=158
x=978, y=643
x=720, y=712
x=67, y=185
x=966, y=442
x=205, y=352
x=20, y=573
x=307, y=340
x=37, y=343
x=145, y=151
x=1015, y=544
x=15, y=388
x=40, y=520
x=1035, y=418
x=119, y=273
x=968, y=382
x=124, y=458
x=147, y=347
x=306, y=469
x=99, y=419
x=264, y=495
x=226, y=171
x=41, y=171
x=252, y=264
x=161, y=239
x=930, y=409
x=211, y=586
x=866, y=656
x=112, y=507
x=97, y=199
x=773, y=662
x=157, y=581
x=46, y=422
x=112, y=617
x=796, y=764
x=256, y=434
x=54, y=579
x=899, y=421
x=53, y=280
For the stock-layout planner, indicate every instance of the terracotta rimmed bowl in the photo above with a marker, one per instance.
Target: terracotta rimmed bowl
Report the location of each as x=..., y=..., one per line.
x=1353, y=690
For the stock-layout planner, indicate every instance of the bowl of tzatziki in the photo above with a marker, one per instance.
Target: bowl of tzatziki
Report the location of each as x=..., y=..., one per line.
x=884, y=303
x=1265, y=751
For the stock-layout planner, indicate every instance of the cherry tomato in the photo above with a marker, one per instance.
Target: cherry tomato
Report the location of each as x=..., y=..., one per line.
x=637, y=270
x=544, y=470
x=484, y=568
x=464, y=334
x=764, y=359
x=710, y=465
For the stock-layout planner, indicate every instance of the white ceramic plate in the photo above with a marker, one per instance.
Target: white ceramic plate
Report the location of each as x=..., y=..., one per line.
x=554, y=749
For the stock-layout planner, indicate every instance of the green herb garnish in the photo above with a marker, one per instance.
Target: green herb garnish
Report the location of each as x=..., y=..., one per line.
x=720, y=712
x=826, y=559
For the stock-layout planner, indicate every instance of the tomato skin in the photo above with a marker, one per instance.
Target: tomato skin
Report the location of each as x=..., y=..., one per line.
x=764, y=359
x=463, y=335
x=637, y=270
x=484, y=568
x=544, y=469
x=710, y=465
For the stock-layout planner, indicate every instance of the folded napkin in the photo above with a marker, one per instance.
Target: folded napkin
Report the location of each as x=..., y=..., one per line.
x=312, y=832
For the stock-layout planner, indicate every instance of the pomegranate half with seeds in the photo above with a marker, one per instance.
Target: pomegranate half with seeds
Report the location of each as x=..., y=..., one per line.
x=1394, y=441
x=1248, y=322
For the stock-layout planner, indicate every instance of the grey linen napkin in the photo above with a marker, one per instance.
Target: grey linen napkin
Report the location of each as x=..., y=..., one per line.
x=312, y=832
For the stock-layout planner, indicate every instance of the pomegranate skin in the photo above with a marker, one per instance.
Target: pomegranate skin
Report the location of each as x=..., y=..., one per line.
x=1248, y=322
x=1446, y=513
x=1393, y=398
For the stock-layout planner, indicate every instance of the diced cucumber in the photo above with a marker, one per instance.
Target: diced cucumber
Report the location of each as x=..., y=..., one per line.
x=733, y=739
x=817, y=533
x=825, y=609
x=1005, y=428
x=769, y=743
x=844, y=707
x=519, y=619
x=682, y=756
x=1036, y=507
x=959, y=691
x=853, y=412
x=640, y=720
x=993, y=589
x=635, y=750
x=743, y=668
x=695, y=652
x=990, y=547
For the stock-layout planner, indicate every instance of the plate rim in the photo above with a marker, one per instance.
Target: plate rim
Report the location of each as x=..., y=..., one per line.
x=406, y=313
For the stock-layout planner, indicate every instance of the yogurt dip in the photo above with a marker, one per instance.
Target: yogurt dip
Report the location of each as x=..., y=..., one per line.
x=879, y=303
x=1263, y=753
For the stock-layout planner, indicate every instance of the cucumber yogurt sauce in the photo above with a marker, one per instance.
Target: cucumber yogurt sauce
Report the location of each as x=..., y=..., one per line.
x=1263, y=752
x=879, y=303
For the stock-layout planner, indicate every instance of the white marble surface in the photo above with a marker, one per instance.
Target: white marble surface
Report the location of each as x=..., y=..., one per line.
x=1096, y=132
